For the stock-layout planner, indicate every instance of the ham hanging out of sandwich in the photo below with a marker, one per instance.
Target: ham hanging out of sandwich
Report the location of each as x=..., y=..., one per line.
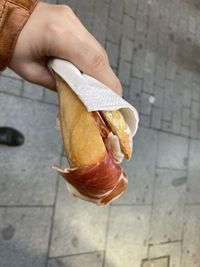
x=95, y=144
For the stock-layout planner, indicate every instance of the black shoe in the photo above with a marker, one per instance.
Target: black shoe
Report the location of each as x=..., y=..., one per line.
x=10, y=137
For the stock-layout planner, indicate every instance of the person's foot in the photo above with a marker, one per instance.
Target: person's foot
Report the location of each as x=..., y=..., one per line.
x=10, y=137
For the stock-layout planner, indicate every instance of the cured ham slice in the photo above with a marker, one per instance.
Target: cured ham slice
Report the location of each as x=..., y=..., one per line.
x=99, y=183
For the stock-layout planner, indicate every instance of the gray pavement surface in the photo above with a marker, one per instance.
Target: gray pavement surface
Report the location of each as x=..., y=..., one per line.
x=154, y=48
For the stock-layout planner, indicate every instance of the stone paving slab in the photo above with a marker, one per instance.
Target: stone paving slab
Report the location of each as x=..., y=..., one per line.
x=168, y=206
x=78, y=226
x=127, y=236
x=140, y=184
x=193, y=185
x=50, y=97
x=26, y=176
x=33, y=91
x=191, y=244
x=10, y=85
x=141, y=169
x=24, y=234
x=113, y=52
x=172, y=151
x=9, y=73
x=88, y=259
x=172, y=251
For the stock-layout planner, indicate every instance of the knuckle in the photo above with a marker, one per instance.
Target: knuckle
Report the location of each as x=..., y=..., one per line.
x=28, y=75
x=99, y=58
x=65, y=10
x=55, y=25
x=54, y=29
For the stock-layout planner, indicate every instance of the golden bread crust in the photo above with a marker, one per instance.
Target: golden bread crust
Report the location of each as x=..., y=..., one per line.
x=81, y=136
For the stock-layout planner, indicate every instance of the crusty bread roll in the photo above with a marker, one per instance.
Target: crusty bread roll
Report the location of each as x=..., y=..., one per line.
x=82, y=140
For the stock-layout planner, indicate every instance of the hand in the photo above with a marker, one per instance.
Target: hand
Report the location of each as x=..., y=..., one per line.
x=55, y=31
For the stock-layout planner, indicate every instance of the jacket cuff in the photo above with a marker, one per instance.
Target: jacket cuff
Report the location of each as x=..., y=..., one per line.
x=13, y=16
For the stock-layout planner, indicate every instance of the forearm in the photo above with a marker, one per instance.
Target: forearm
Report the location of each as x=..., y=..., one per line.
x=13, y=16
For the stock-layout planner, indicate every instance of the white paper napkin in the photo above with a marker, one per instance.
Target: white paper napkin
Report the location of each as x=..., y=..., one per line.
x=94, y=95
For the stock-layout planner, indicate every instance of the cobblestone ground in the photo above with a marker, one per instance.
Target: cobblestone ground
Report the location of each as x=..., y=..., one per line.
x=154, y=48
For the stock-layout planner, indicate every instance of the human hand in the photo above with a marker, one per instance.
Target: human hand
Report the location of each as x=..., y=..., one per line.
x=54, y=31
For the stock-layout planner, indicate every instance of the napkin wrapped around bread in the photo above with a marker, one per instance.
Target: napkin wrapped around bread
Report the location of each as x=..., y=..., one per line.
x=95, y=144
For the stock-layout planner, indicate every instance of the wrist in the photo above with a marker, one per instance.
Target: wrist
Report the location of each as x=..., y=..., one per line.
x=14, y=17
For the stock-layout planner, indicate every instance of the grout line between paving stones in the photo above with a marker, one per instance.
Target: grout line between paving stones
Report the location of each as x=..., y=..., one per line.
x=106, y=238
x=22, y=89
x=76, y=254
x=171, y=169
x=112, y=42
x=130, y=205
x=132, y=60
x=168, y=132
x=34, y=100
x=14, y=78
x=165, y=78
x=165, y=243
x=192, y=204
x=184, y=207
x=137, y=7
x=137, y=78
x=171, y=242
x=153, y=197
x=93, y=16
x=26, y=206
x=119, y=50
x=43, y=94
x=154, y=71
x=52, y=217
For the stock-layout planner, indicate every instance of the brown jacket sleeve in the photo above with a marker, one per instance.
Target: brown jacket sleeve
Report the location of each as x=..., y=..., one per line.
x=13, y=16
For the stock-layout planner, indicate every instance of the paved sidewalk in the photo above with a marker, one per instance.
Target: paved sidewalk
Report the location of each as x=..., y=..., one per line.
x=154, y=47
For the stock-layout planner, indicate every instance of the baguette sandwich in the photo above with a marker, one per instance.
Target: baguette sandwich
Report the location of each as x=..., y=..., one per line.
x=95, y=144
